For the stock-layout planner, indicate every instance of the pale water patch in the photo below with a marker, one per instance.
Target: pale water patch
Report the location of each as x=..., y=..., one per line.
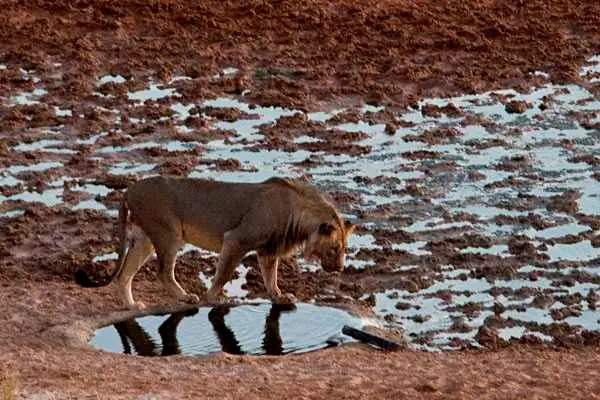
x=589, y=319
x=205, y=280
x=229, y=71
x=39, y=167
x=62, y=112
x=106, y=257
x=233, y=176
x=495, y=250
x=50, y=197
x=89, y=205
x=12, y=213
x=125, y=168
x=111, y=79
x=361, y=127
x=7, y=180
x=95, y=189
x=489, y=212
x=266, y=114
x=514, y=332
x=182, y=111
x=322, y=116
x=233, y=288
x=180, y=78
x=556, y=231
x=29, y=98
x=385, y=303
x=306, y=139
x=473, y=132
x=314, y=266
x=154, y=92
x=174, y=145
x=517, y=283
x=580, y=251
x=415, y=248
x=530, y=314
x=458, y=285
x=435, y=224
x=92, y=139
x=43, y=144
x=245, y=128
x=366, y=241
x=358, y=264
x=541, y=73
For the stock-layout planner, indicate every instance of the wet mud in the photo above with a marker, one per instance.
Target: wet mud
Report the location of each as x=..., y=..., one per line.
x=468, y=157
x=477, y=224
x=461, y=138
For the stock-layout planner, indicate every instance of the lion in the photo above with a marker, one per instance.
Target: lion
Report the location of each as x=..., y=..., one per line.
x=274, y=218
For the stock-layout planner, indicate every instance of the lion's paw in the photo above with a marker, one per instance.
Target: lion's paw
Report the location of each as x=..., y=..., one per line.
x=215, y=298
x=191, y=299
x=137, y=306
x=284, y=299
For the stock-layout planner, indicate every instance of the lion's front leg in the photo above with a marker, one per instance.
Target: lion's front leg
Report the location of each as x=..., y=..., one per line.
x=268, y=267
x=231, y=255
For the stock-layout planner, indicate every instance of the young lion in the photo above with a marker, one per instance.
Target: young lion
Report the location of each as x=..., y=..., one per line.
x=274, y=218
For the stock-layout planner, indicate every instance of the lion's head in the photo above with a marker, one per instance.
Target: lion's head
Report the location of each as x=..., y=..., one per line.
x=328, y=242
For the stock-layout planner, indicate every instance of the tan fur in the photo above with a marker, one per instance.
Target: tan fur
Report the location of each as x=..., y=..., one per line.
x=273, y=218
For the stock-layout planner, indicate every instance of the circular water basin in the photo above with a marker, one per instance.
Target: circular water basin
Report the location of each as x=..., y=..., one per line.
x=245, y=329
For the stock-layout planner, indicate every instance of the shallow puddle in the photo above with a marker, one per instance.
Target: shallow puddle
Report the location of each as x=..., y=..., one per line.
x=246, y=329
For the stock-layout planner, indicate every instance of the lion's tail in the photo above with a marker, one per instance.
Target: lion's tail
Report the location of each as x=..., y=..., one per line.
x=83, y=277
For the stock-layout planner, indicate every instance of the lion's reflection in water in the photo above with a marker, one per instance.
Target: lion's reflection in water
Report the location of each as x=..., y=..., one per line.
x=135, y=339
x=133, y=335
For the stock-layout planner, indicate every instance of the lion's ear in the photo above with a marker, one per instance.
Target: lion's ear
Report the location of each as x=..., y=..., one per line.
x=326, y=228
x=349, y=227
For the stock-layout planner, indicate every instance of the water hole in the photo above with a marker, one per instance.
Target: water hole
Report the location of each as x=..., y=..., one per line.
x=256, y=329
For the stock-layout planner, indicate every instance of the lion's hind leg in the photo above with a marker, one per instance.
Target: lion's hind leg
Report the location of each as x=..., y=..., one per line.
x=138, y=253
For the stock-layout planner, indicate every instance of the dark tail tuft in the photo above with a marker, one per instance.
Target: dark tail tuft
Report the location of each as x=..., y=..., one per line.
x=83, y=277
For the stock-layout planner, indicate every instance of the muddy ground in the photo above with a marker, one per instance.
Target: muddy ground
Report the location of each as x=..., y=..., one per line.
x=462, y=138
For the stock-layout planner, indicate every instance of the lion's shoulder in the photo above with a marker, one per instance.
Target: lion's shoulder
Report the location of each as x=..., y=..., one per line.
x=292, y=183
x=289, y=182
x=307, y=196
x=299, y=186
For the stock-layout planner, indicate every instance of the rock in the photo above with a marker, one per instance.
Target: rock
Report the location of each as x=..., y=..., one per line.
x=592, y=298
x=403, y=306
x=488, y=337
x=498, y=308
x=543, y=301
x=516, y=107
x=391, y=128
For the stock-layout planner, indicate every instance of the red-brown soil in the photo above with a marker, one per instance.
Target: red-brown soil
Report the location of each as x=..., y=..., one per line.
x=311, y=55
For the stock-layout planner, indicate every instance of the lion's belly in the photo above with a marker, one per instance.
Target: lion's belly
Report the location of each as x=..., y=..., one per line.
x=202, y=238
